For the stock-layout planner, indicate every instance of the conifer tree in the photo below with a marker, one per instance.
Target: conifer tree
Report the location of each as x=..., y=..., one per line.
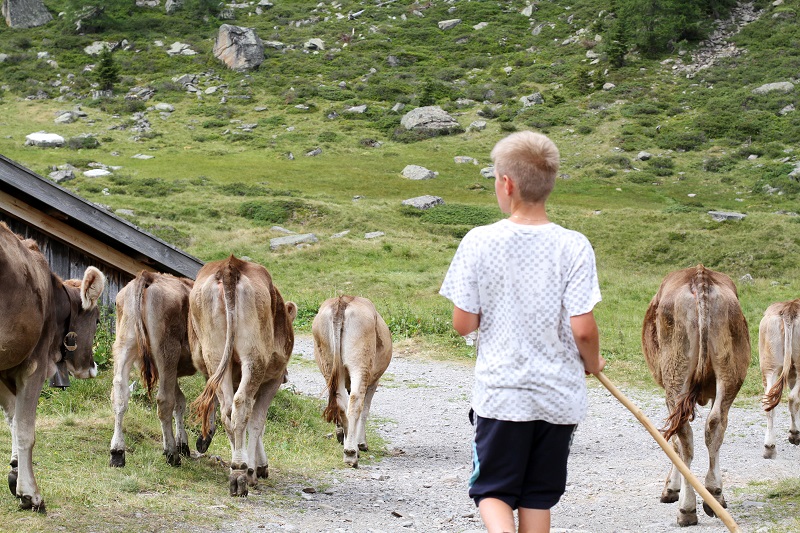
x=107, y=71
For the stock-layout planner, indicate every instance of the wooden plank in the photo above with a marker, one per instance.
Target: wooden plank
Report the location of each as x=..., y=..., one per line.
x=98, y=222
x=61, y=231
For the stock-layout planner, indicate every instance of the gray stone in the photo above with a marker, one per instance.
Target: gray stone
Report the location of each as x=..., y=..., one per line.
x=314, y=152
x=480, y=25
x=532, y=99
x=172, y=6
x=148, y=3
x=608, y=86
x=97, y=47
x=97, y=173
x=424, y=202
x=374, y=234
x=238, y=48
x=314, y=44
x=428, y=118
x=292, y=240
x=3, y=58
x=478, y=125
x=721, y=216
x=282, y=230
x=358, y=109
x=399, y=106
x=180, y=49
x=786, y=110
x=125, y=212
x=416, y=172
x=782, y=86
x=44, y=140
x=644, y=156
x=142, y=156
x=277, y=45
x=449, y=24
x=462, y=159
x=488, y=172
x=60, y=176
x=165, y=107
x=340, y=234
x=66, y=117
x=25, y=13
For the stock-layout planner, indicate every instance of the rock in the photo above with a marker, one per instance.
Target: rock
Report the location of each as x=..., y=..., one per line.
x=608, y=86
x=449, y=24
x=340, y=234
x=424, y=202
x=314, y=44
x=239, y=48
x=782, y=86
x=532, y=99
x=428, y=118
x=416, y=172
x=527, y=11
x=478, y=125
x=462, y=159
x=488, y=172
x=180, y=49
x=374, y=234
x=148, y=3
x=480, y=25
x=169, y=108
x=282, y=230
x=25, y=13
x=97, y=47
x=44, y=140
x=314, y=152
x=171, y=6
x=399, y=106
x=747, y=278
x=3, y=58
x=66, y=117
x=97, y=173
x=277, y=45
x=721, y=216
x=60, y=176
x=644, y=156
x=292, y=240
x=786, y=110
x=358, y=110
x=142, y=156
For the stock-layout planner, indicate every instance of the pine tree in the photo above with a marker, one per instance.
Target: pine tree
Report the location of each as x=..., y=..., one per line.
x=107, y=71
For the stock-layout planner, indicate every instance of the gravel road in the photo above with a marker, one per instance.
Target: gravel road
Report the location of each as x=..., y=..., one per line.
x=616, y=469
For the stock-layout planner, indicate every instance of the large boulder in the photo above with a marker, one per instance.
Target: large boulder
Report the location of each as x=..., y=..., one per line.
x=428, y=118
x=25, y=13
x=43, y=139
x=239, y=48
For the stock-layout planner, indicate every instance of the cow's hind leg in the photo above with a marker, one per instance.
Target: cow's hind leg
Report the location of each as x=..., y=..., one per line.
x=181, y=437
x=715, y=433
x=769, y=433
x=672, y=485
x=166, y=407
x=687, y=500
x=794, y=407
x=120, y=395
x=241, y=411
x=24, y=432
x=355, y=406
x=362, y=425
x=255, y=429
x=7, y=402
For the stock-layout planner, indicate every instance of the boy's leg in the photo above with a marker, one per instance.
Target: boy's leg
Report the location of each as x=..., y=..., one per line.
x=533, y=520
x=497, y=516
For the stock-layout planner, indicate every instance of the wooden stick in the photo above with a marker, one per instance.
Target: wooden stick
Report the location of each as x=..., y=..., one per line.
x=720, y=511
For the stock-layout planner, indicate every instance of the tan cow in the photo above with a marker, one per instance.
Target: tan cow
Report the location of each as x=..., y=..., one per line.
x=779, y=357
x=240, y=330
x=152, y=334
x=696, y=343
x=353, y=348
x=44, y=322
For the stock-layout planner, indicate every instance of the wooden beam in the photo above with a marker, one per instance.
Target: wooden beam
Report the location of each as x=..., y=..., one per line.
x=63, y=232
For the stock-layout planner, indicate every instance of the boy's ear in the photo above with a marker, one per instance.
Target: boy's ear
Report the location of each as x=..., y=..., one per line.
x=508, y=184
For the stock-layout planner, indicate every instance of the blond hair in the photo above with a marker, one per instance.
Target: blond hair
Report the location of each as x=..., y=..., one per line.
x=531, y=160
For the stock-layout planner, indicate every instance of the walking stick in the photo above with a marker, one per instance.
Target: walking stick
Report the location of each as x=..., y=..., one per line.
x=721, y=512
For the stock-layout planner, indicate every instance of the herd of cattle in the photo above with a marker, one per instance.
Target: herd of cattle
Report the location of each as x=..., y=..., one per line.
x=232, y=325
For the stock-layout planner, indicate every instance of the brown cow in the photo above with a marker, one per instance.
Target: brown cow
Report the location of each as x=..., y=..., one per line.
x=45, y=322
x=241, y=330
x=697, y=346
x=353, y=348
x=779, y=357
x=152, y=334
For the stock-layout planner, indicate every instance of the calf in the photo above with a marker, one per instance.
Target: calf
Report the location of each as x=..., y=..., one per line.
x=152, y=334
x=353, y=348
x=45, y=322
x=241, y=335
x=697, y=347
x=779, y=358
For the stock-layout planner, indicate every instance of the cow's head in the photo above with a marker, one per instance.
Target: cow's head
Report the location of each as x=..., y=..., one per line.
x=77, y=344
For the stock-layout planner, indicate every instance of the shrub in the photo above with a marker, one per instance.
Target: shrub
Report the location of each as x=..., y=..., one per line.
x=683, y=141
x=458, y=214
x=243, y=189
x=277, y=211
x=82, y=141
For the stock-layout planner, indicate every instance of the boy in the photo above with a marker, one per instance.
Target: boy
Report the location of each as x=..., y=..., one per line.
x=530, y=285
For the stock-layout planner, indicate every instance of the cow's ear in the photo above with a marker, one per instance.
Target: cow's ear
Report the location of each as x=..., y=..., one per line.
x=94, y=282
x=291, y=310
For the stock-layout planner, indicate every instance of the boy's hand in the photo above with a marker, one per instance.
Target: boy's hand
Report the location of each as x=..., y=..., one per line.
x=587, y=339
x=601, y=365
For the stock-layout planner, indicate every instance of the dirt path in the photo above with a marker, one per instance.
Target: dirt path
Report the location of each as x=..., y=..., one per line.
x=616, y=469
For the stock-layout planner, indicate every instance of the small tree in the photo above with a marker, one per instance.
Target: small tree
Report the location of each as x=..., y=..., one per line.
x=107, y=71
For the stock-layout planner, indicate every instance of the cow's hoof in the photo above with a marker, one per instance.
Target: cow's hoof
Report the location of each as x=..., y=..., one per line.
x=769, y=452
x=117, y=458
x=237, y=483
x=719, y=497
x=262, y=472
x=173, y=459
x=670, y=496
x=202, y=444
x=687, y=518
x=351, y=458
x=185, y=451
x=794, y=437
x=12, y=480
x=363, y=447
x=340, y=435
x=26, y=503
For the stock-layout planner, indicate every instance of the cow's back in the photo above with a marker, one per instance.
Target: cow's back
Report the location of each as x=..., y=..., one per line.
x=26, y=303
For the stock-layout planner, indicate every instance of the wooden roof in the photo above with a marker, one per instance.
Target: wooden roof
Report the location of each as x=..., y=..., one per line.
x=97, y=232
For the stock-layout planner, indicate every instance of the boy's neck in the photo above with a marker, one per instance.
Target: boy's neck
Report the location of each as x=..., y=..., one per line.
x=528, y=214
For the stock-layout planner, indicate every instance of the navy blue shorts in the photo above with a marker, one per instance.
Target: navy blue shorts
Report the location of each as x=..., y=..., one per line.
x=523, y=464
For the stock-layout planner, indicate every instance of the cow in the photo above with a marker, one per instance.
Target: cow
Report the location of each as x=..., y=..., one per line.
x=697, y=346
x=779, y=358
x=241, y=336
x=46, y=322
x=152, y=334
x=352, y=348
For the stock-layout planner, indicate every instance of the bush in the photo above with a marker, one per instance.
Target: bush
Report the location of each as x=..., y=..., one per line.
x=458, y=214
x=82, y=141
x=277, y=211
x=682, y=141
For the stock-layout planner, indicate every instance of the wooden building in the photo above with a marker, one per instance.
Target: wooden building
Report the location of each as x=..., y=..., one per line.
x=74, y=233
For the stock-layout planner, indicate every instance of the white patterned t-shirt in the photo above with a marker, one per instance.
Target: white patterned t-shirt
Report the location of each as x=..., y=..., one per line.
x=525, y=282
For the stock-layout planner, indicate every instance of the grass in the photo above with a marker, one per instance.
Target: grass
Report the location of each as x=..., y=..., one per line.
x=214, y=189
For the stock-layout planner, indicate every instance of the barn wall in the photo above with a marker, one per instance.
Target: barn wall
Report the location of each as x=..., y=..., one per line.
x=70, y=263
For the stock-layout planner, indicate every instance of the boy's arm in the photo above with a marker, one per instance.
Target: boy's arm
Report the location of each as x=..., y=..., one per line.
x=464, y=322
x=587, y=338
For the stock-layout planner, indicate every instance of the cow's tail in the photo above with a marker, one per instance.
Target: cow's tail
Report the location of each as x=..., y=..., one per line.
x=334, y=413
x=149, y=369
x=206, y=402
x=773, y=397
x=685, y=406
